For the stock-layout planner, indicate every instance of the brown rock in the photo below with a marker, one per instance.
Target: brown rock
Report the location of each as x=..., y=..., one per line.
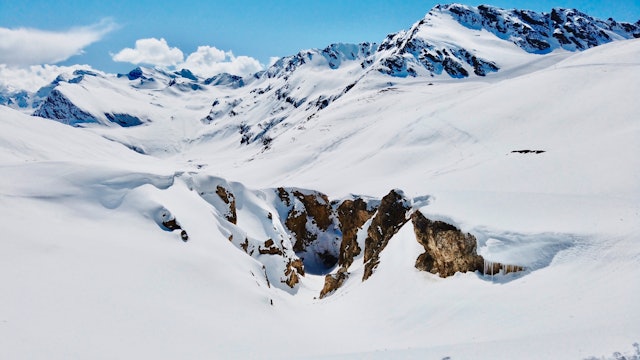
x=230, y=200
x=333, y=281
x=449, y=250
x=391, y=215
x=293, y=270
x=297, y=223
x=284, y=196
x=352, y=214
x=315, y=208
x=269, y=248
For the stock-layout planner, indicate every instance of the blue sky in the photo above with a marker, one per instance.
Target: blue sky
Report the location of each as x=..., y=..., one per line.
x=258, y=30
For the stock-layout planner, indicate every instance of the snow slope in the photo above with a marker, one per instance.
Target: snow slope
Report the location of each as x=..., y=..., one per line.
x=89, y=271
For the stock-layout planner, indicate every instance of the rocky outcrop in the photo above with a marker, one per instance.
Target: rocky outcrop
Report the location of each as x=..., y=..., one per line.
x=536, y=32
x=269, y=248
x=229, y=199
x=333, y=281
x=312, y=226
x=352, y=215
x=392, y=213
x=303, y=232
x=293, y=271
x=447, y=249
x=312, y=208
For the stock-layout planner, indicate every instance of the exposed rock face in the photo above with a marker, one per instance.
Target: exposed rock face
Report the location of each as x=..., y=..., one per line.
x=391, y=215
x=58, y=107
x=307, y=233
x=292, y=270
x=447, y=249
x=230, y=200
x=269, y=248
x=310, y=219
x=333, y=281
x=541, y=32
x=352, y=214
x=312, y=207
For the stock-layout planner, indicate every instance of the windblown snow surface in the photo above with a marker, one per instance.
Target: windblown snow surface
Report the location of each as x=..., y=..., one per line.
x=87, y=272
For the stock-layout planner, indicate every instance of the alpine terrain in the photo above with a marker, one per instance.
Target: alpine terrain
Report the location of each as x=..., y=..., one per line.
x=466, y=189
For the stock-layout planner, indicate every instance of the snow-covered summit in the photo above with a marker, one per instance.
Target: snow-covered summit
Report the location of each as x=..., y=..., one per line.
x=543, y=32
x=457, y=39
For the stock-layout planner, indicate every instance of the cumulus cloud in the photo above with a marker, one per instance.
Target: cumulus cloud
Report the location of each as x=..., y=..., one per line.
x=25, y=46
x=206, y=61
x=33, y=77
x=150, y=51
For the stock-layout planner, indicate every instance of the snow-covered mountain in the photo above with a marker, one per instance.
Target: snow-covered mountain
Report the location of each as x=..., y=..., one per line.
x=460, y=190
x=452, y=41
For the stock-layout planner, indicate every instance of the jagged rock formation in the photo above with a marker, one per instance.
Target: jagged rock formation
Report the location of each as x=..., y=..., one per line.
x=447, y=249
x=311, y=223
x=306, y=206
x=352, y=215
x=408, y=53
x=293, y=271
x=535, y=32
x=392, y=213
x=230, y=200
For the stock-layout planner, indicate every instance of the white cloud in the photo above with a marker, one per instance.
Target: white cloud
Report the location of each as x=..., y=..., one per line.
x=33, y=77
x=150, y=51
x=24, y=46
x=206, y=61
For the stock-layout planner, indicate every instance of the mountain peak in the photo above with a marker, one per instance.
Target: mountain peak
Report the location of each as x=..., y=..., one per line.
x=540, y=32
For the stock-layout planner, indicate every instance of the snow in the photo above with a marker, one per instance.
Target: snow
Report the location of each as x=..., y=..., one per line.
x=87, y=272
